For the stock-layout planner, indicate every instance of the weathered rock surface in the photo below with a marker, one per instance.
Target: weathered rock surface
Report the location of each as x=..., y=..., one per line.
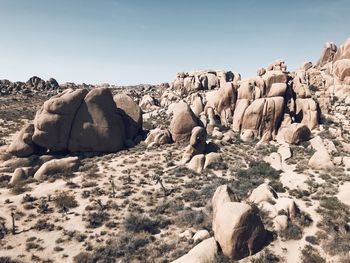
x=238, y=230
x=204, y=252
x=23, y=144
x=63, y=165
x=132, y=114
x=97, y=126
x=182, y=123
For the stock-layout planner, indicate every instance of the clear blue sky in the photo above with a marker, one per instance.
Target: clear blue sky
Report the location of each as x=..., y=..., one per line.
x=139, y=41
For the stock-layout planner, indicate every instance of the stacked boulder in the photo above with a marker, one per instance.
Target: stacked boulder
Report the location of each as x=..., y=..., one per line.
x=81, y=121
x=186, y=83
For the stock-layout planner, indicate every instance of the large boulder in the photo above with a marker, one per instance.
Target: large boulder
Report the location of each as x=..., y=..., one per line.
x=205, y=252
x=241, y=106
x=238, y=230
x=307, y=112
x=23, y=144
x=54, y=166
x=263, y=116
x=97, y=126
x=53, y=121
x=158, y=136
x=321, y=160
x=225, y=102
x=132, y=114
x=341, y=69
x=182, y=123
x=263, y=192
x=223, y=194
x=296, y=133
x=272, y=77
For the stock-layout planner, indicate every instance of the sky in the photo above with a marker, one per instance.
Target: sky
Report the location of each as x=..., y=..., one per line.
x=128, y=42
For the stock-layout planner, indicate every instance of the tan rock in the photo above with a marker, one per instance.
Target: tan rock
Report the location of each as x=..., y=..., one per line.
x=296, y=133
x=222, y=195
x=321, y=160
x=263, y=192
x=197, y=163
x=21, y=174
x=212, y=159
x=22, y=145
x=238, y=230
x=97, y=127
x=54, y=120
x=201, y=235
x=204, y=252
x=56, y=166
x=132, y=114
x=182, y=123
x=280, y=222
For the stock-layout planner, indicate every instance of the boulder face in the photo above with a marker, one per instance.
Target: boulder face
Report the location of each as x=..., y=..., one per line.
x=131, y=113
x=263, y=116
x=341, y=69
x=97, y=125
x=327, y=54
x=81, y=121
x=343, y=51
x=53, y=121
x=23, y=145
x=296, y=133
x=238, y=230
x=182, y=123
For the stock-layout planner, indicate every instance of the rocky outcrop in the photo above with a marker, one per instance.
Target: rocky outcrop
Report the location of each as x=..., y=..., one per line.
x=81, y=121
x=33, y=85
x=188, y=82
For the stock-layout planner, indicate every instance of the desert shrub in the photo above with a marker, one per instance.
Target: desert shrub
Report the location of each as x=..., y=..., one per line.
x=168, y=207
x=96, y=219
x=3, y=228
x=8, y=260
x=193, y=218
x=28, y=199
x=266, y=257
x=250, y=178
x=310, y=255
x=142, y=223
x=20, y=188
x=43, y=224
x=125, y=245
x=312, y=240
x=291, y=232
x=277, y=186
x=4, y=180
x=65, y=200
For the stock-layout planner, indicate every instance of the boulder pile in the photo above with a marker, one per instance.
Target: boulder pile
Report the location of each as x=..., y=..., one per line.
x=81, y=121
